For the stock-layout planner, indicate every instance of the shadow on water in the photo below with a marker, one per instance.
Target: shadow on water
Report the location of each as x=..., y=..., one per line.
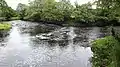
x=39, y=45
x=35, y=28
x=3, y=38
x=41, y=29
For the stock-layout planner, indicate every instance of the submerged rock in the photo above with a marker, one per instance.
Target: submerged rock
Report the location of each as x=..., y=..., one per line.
x=62, y=34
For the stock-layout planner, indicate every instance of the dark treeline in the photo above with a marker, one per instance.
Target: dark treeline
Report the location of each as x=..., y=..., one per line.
x=107, y=12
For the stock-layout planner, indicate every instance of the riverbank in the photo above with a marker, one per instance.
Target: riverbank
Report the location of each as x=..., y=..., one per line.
x=10, y=19
x=99, y=23
x=5, y=26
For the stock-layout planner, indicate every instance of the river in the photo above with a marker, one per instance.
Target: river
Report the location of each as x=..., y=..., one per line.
x=43, y=45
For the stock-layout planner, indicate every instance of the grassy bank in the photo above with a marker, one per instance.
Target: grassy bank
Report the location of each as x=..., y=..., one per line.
x=106, y=52
x=5, y=26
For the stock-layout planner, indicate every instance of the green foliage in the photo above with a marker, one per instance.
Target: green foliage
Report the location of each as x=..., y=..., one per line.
x=84, y=13
x=107, y=4
x=6, y=11
x=5, y=26
x=49, y=10
x=63, y=11
x=106, y=52
x=21, y=10
x=109, y=8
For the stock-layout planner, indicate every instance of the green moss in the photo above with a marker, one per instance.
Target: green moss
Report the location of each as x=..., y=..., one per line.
x=106, y=52
x=5, y=26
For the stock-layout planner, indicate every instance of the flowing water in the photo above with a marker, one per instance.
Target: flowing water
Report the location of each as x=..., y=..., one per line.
x=41, y=45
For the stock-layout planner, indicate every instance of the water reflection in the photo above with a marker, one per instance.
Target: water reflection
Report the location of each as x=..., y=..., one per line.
x=3, y=38
x=34, y=28
x=29, y=46
x=71, y=35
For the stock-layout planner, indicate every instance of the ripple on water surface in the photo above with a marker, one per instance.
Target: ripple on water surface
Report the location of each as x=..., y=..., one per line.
x=39, y=45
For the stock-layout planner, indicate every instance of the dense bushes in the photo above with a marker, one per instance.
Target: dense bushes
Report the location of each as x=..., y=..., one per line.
x=52, y=11
x=63, y=11
x=60, y=11
x=49, y=10
x=106, y=52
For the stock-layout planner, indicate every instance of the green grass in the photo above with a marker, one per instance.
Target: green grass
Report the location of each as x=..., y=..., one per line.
x=5, y=26
x=14, y=18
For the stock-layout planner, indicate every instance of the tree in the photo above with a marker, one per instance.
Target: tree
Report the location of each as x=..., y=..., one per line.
x=3, y=5
x=84, y=13
x=109, y=8
x=6, y=11
x=50, y=10
x=21, y=8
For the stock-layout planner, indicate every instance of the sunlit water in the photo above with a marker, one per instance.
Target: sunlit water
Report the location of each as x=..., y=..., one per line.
x=37, y=45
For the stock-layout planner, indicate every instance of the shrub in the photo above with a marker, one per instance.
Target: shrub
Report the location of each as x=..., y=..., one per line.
x=106, y=52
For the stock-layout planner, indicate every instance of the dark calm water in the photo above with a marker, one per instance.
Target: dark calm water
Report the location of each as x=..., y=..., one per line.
x=38, y=45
